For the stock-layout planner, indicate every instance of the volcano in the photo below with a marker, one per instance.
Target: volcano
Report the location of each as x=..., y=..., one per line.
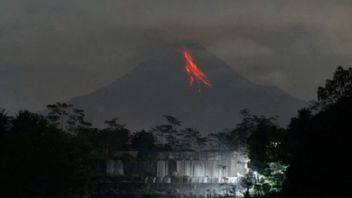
x=161, y=86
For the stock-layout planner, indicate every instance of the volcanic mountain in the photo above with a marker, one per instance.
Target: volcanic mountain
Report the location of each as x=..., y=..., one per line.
x=161, y=86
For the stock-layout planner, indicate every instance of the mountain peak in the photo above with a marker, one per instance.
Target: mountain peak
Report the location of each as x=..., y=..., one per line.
x=161, y=86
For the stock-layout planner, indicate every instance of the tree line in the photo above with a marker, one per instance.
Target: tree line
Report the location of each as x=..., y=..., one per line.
x=57, y=154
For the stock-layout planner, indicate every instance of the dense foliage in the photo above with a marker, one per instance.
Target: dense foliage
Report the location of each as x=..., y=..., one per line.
x=58, y=155
x=318, y=143
x=39, y=160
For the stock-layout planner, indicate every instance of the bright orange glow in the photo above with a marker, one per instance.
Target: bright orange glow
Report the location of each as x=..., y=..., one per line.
x=195, y=74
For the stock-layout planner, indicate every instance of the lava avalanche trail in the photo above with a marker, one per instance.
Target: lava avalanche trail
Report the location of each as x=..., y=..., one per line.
x=195, y=74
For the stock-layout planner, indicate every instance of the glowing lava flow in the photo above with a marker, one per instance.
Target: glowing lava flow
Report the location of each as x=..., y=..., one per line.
x=195, y=74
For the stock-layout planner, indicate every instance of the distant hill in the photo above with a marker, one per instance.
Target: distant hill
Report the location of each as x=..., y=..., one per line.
x=161, y=86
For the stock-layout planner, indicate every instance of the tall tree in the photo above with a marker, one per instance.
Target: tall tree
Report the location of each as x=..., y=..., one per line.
x=338, y=87
x=319, y=144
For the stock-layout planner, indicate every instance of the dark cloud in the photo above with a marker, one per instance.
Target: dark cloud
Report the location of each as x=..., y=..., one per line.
x=54, y=50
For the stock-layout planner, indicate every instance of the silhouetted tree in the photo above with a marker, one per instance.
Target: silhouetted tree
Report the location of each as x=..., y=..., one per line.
x=263, y=139
x=172, y=120
x=143, y=141
x=66, y=117
x=338, y=87
x=167, y=134
x=192, y=139
x=173, y=137
x=114, y=137
x=319, y=144
x=236, y=138
x=40, y=160
x=4, y=121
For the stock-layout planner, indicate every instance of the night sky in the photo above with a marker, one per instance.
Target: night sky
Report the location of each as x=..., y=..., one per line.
x=55, y=50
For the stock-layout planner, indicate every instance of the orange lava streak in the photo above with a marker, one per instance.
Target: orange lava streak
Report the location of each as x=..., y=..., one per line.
x=195, y=74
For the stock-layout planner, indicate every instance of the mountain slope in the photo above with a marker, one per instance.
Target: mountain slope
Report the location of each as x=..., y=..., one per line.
x=160, y=86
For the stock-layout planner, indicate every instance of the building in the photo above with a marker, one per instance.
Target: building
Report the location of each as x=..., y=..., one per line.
x=194, y=167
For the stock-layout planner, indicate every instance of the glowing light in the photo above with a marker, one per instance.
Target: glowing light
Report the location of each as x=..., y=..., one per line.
x=195, y=74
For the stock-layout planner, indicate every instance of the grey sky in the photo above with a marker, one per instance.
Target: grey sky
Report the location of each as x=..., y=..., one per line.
x=54, y=50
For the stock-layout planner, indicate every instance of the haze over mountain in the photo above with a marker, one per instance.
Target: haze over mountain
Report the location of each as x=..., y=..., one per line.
x=160, y=86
